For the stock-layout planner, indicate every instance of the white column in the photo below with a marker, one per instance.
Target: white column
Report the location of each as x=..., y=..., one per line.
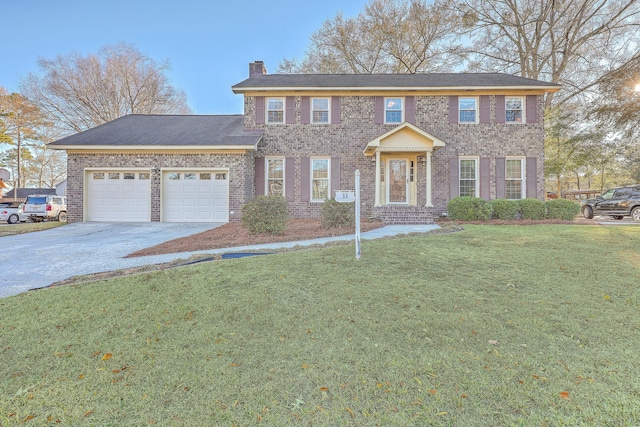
x=377, y=192
x=429, y=203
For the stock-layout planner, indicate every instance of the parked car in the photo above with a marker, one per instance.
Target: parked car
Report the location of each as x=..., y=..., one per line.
x=616, y=203
x=12, y=212
x=46, y=207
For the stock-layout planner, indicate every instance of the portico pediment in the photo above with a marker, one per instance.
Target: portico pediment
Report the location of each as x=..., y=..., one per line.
x=405, y=138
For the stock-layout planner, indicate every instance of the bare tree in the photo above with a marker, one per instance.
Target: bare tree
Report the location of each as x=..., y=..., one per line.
x=571, y=42
x=47, y=167
x=389, y=36
x=618, y=103
x=80, y=92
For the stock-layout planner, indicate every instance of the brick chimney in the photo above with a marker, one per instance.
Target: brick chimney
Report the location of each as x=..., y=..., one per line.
x=257, y=68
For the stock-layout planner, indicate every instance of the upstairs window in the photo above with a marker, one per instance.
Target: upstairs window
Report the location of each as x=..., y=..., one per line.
x=393, y=110
x=513, y=109
x=468, y=110
x=275, y=110
x=320, y=110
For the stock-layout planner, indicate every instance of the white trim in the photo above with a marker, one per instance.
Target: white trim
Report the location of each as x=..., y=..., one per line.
x=523, y=109
x=384, y=110
x=311, y=110
x=284, y=110
x=374, y=145
x=266, y=173
x=477, y=110
x=523, y=176
x=329, y=192
x=476, y=159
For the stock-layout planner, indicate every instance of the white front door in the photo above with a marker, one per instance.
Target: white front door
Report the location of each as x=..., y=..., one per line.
x=397, y=181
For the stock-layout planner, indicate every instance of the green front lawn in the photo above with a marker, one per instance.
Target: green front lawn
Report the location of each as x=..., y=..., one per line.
x=493, y=325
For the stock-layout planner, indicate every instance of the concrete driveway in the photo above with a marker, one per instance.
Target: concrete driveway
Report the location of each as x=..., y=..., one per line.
x=35, y=260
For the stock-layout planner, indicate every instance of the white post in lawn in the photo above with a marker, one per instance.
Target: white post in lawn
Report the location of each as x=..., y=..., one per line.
x=357, y=214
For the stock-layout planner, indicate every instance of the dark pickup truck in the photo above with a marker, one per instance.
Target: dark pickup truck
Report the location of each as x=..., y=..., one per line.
x=616, y=203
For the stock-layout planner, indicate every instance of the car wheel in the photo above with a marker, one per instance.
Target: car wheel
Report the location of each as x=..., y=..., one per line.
x=635, y=213
x=62, y=217
x=587, y=212
x=617, y=217
x=13, y=219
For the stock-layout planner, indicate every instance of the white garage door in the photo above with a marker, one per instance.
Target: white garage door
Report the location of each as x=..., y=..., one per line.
x=118, y=196
x=195, y=196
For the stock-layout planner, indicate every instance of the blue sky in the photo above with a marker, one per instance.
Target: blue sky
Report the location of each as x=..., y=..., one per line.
x=209, y=43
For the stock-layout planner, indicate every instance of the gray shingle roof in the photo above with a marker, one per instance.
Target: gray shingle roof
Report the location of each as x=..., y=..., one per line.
x=139, y=130
x=436, y=81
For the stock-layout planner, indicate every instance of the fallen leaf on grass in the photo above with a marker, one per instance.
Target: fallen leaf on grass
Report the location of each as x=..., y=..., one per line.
x=86, y=414
x=432, y=391
x=564, y=395
x=234, y=365
x=350, y=411
x=27, y=418
x=107, y=356
x=324, y=389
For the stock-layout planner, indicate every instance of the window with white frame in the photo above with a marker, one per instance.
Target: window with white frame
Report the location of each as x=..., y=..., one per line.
x=274, y=177
x=275, y=110
x=393, y=110
x=514, y=175
x=513, y=109
x=467, y=110
x=320, y=110
x=320, y=179
x=469, y=177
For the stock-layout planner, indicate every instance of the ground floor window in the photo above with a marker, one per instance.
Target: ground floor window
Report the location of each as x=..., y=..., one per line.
x=514, y=187
x=275, y=177
x=469, y=177
x=319, y=179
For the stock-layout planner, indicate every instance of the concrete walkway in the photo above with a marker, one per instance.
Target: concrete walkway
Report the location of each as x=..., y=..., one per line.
x=35, y=260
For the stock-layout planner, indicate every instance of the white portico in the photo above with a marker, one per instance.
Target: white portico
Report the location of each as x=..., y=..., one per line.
x=397, y=154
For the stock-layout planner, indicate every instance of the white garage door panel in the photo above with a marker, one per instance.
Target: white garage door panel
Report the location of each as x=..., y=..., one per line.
x=111, y=197
x=198, y=196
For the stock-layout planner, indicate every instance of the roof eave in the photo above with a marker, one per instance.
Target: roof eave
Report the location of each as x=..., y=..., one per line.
x=236, y=90
x=154, y=147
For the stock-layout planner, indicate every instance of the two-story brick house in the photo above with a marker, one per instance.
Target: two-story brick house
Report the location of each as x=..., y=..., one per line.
x=417, y=139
